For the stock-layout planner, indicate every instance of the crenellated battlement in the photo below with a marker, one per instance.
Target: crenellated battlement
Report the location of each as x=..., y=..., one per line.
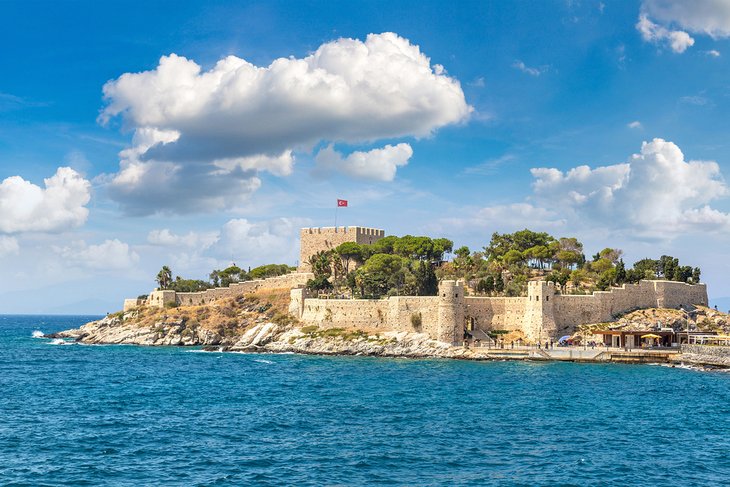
x=316, y=239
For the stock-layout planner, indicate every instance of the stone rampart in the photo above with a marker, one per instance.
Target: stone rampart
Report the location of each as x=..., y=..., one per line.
x=496, y=313
x=159, y=299
x=542, y=314
x=133, y=303
x=286, y=281
x=570, y=311
x=388, y=314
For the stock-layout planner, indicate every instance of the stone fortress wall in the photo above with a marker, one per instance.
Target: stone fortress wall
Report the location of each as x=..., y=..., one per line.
x=159, y=299
x=313, y=240
x=544, y=313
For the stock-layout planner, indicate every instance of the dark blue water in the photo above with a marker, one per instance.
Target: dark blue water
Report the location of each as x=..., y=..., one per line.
x=122, y=415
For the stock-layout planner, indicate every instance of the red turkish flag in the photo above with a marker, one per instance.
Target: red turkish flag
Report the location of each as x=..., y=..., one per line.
x=341, y=203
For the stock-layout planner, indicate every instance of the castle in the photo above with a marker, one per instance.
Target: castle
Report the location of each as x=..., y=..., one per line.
x=544, y=313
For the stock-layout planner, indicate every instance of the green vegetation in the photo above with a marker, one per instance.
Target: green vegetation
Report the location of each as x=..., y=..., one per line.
x=392, y=266
x=510, y=260
x=218, y=278
x=413, y=265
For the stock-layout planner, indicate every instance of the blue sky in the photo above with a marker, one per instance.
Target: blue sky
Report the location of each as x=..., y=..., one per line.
x=197, y=134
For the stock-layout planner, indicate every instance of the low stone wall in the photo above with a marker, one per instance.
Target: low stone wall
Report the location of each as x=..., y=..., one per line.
x=706, y=354
x=287, y=281
x=158, y=299
x=132, y=303
x=389, y=314
x=601, y=306
x=496, y=313
x=540, y=315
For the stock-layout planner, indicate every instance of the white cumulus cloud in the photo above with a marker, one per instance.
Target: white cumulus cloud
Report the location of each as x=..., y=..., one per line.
x=376, y=164
x=60, y=205
x=207, y=134
x=267, y=241
x=671, y=21
x=678, y=40
x=108, y=255
x=197, y=240
x=656, y=193
x=634, y=125
x=710, y=17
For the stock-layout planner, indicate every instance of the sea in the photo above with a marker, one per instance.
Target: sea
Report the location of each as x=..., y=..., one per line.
x=79, y=415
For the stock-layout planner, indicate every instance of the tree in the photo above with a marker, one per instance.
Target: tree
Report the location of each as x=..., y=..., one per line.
x=560, y=278
x=349, y=252
x=231, y=274
x=607, y=279
x=215, y=278
x=513, y=257
x=601, y=265
x=319, y=284
x=383, y=246
x=647, y=268
x=613, y=255
x=189, y=285
x=486, y=285
x=382, y=274
x=696, y=275
x=499, y=283
x=620, y=272
x=321, y=264
x=426, y=281
x=164, y=277
x=269, y=270
x=441, y=246
x=667, y=266
x=462, y=252
x=539, y=253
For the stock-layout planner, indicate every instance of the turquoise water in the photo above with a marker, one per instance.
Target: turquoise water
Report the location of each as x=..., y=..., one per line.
x=123, y=415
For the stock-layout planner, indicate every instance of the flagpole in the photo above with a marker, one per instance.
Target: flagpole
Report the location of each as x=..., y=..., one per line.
x=336, y=208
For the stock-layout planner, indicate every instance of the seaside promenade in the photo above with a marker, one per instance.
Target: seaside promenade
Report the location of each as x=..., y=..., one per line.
x=581, y=354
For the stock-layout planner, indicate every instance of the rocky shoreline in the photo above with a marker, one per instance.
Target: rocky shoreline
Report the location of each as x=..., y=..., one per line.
x=266, y=337
x=258, y=328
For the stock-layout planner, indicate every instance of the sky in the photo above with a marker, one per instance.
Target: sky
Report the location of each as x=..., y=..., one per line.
x=199, y=134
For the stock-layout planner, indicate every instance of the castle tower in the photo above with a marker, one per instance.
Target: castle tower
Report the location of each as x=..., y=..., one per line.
x=313, y=240
x=539, y=313
x=450, y=328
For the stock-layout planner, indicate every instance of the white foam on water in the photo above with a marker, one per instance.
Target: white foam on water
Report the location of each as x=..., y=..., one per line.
x=262, y=361
x=60, y=341
x=37, y=334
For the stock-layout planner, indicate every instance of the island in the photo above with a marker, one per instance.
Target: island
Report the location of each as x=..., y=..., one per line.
x=526, y=295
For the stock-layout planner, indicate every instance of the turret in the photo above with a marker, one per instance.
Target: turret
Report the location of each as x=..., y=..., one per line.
x=451, y=312
x=539, y=317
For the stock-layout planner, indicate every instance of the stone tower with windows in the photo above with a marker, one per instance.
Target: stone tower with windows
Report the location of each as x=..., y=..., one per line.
x=313, y=240
x=539, y=321
x=451, y=307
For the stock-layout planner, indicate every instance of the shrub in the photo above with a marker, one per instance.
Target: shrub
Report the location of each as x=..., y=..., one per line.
x=416, y=321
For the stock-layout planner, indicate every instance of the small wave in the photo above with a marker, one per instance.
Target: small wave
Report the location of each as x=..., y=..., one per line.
x=695, y=367
x=59, y=341
x=263, y=361
x=37, y=334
